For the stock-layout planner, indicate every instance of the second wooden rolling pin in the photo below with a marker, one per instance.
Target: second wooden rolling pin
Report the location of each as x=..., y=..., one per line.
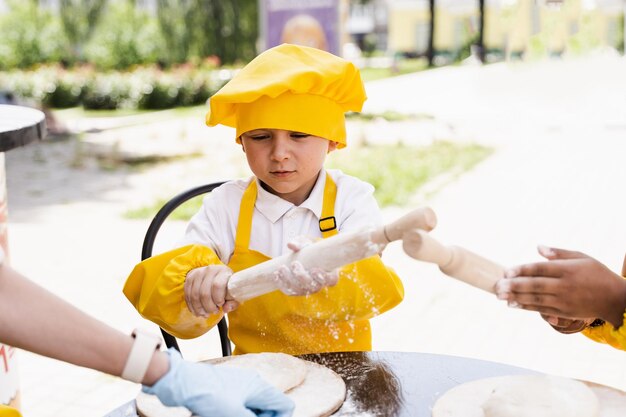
x=454, y=261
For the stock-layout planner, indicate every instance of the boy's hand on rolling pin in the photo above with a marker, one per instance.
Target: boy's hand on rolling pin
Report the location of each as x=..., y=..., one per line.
x=571, y=290
x=208, y=390
x=296, y=280
x=205, y=290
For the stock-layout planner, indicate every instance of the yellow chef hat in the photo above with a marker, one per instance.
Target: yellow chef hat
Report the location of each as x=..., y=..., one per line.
x=294, y=88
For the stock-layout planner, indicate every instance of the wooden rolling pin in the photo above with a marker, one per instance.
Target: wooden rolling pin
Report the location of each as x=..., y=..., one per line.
x=328, y=254
x=453, y=261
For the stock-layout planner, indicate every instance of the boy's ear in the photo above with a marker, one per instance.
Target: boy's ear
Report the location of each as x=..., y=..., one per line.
x=241, y=142
x=331, y=146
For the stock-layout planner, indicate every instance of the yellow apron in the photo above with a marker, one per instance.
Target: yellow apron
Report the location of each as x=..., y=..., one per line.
x=276, y=322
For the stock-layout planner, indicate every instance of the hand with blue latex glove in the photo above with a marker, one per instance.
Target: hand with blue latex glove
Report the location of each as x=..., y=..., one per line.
x=212, y=391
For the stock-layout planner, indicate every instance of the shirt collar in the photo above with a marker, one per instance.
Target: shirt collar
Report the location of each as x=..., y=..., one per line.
x=274, y=207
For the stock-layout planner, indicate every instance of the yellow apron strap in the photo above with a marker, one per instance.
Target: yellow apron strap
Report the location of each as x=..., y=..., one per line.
x=244, y=223
x=328, y=224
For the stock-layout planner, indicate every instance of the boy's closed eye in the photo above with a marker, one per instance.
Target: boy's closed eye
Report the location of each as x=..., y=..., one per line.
x=257, y=136
x=262, y=134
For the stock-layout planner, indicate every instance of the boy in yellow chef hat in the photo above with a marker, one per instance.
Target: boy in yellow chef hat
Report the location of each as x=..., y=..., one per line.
x=287, y=106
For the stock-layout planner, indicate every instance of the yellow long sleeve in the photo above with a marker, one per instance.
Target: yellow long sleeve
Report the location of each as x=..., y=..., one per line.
x=6, y=411
x=156, y=288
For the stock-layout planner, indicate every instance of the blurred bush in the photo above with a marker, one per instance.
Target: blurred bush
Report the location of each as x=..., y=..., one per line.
x=142, y=88
x=105, y=54
x=62, y=91
x=124, y=37
x=49, y=85
x=29, y=36
x=121, y=34
x=107, y=91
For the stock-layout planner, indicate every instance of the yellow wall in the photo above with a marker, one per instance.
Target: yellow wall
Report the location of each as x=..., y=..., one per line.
x=402, y=27
x=509, y=28
x=446, y=35
x=404, y=21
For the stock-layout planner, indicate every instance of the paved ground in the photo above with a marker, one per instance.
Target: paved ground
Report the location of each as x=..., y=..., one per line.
x=557, y=177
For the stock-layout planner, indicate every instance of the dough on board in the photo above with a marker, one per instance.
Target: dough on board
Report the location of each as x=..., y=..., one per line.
x=279, y=369
x=519, y=396
x=541, y=396
x=321, y=394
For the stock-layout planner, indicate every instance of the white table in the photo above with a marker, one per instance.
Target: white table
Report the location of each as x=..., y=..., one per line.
x=20, y=125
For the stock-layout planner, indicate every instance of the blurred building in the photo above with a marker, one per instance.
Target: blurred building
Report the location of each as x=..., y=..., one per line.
x=513, y=27
x=456, y=22
x=367, y=24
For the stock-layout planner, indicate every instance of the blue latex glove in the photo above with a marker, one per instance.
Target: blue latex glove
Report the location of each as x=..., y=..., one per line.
x=212, y=391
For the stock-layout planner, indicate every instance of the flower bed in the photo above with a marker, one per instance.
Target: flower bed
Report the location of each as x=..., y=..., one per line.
x=140, y=88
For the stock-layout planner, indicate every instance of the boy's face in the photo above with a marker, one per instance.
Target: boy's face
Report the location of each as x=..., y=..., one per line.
x=286, y=162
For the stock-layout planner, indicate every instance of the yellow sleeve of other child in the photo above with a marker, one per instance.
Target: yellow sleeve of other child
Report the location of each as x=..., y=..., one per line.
x=6, y=411
x=156, y=288
x=608, y=334
x=365, y=289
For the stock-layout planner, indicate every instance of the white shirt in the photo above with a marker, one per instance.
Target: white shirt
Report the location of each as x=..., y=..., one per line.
x=276, y=222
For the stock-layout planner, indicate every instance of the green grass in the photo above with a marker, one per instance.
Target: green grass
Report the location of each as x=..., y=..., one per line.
x=390, y=116
x=184, y=212
x=397, y=172
x=404, y=66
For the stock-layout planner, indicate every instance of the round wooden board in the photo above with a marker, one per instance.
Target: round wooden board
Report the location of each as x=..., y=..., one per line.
x=466, y=400
x=321, y=393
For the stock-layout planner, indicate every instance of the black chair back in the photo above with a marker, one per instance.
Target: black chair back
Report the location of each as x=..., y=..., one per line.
x=148, y=244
